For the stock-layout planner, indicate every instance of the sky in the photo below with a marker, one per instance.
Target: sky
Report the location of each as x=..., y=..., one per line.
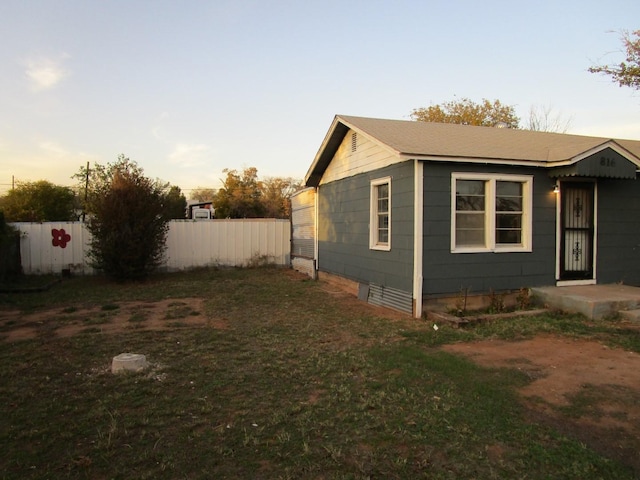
x=189, y=88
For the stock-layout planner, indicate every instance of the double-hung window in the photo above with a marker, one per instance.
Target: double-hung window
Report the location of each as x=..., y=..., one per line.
x=491, y=212
x=380, y=221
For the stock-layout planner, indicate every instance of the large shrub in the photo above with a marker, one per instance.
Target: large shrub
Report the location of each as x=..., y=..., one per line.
x=10, y=264
x=40, y=201
x=125, y=215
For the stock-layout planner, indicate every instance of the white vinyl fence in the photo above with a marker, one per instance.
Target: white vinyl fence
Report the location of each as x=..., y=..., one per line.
x=52, y=247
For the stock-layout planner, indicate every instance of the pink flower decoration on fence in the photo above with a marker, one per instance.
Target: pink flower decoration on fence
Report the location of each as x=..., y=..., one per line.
x=60, y=238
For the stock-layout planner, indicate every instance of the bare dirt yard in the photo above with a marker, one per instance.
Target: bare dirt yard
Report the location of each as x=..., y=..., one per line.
x=582, y=388
x=126, y=316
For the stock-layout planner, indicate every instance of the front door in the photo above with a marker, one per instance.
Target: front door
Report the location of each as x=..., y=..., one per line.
x=576, y=230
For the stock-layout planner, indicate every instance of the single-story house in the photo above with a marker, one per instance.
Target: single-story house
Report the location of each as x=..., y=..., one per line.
x=412, y=211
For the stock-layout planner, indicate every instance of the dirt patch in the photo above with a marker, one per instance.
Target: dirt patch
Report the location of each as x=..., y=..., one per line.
x=112, y=318
x=581, y=388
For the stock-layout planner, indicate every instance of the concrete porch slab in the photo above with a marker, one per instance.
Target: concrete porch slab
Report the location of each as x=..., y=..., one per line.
x=593, y=301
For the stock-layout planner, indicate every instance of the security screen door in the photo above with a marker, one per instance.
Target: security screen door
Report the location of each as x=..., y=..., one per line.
x=577, y=216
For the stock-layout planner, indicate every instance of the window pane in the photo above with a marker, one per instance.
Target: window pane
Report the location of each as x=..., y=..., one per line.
x=470, y=187
x=509, y=189
x=508, y=228
x=509, y=237
x=470, y=220
x=383, y=190
x=383, y=221
x=470, y=230
x=508, y=220
x=470, y=238
x=508, y=196
x=470, y=195
x=383, y=205
x=469, y=203
x=383, y=236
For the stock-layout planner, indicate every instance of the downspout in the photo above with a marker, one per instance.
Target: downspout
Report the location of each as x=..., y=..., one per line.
x=418, y=226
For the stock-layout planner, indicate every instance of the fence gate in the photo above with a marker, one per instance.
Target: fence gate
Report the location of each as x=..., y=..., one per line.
x=303, y=238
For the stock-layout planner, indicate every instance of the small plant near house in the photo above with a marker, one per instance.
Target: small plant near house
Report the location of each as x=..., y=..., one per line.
x=461, y=301
x=496, y=302
x=523, y=299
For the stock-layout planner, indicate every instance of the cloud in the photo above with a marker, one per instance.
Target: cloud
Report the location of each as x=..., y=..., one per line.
x=190, y=155
x=45, y=73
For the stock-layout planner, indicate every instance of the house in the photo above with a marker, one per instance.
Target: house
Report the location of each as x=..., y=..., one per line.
x=409, y=212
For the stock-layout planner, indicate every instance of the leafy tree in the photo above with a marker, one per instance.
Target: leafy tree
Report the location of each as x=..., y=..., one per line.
x=40, y=201
x=467, y=112
x=627, y=73
x=126, y=218
x=240, y=195
x=202, y=194
x=175, y=204
x=276, y=195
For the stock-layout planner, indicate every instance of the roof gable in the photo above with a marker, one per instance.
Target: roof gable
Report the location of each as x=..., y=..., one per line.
x=465, y=143
x=605, y=163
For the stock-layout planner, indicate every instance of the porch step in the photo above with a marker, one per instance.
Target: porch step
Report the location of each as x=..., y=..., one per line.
x=631, y=315
x=593, y=301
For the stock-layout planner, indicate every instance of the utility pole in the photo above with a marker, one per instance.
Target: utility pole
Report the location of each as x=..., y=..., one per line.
x=86, y=189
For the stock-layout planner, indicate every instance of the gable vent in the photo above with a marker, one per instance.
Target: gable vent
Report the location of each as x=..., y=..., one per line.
x=354, y=141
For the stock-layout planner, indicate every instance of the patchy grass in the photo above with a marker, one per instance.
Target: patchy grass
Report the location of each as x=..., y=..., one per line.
x=611, y=331
x=300, y=384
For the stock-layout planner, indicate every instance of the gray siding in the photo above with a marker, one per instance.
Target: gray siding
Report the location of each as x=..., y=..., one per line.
x=618, y=247
x=343, y=229
x=446, y=273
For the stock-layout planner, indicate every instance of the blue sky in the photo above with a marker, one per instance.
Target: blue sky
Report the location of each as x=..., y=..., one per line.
x=188, y=88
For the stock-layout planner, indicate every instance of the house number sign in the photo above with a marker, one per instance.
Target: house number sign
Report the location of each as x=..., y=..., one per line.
x=607, y=162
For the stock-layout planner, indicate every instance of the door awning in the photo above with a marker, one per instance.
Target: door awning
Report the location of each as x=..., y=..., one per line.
x=606, y=163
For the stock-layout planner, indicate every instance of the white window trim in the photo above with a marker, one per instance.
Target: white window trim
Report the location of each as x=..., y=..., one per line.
x=490, y=210
x=373, y=220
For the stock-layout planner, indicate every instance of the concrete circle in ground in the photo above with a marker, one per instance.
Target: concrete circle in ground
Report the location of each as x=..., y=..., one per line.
x=128, y=362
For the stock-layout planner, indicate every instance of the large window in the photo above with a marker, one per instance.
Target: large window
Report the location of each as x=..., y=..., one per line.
x=380, y=230
x=490, y=212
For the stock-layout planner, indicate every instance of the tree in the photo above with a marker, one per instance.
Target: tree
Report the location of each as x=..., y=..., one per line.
x=40, y=201
x=543, y=119
x=276, y=195
x=467, y=112
x=240, y=195
x=126, y=219
x=202, y=194
x=627, y=73
x=175, y=204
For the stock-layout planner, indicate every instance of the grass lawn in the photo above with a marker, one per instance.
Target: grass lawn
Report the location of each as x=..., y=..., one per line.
x=286, y=379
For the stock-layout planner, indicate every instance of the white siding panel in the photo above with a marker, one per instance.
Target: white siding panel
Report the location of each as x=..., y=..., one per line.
x=189, y=244
x=40, y=256
x=368, y=156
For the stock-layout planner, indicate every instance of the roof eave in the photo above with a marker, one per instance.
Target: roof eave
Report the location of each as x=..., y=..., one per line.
x=327, y=150
x=482, y=160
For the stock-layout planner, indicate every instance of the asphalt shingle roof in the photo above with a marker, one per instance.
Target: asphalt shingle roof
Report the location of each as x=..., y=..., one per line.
x=452, y=140
x=446, y=141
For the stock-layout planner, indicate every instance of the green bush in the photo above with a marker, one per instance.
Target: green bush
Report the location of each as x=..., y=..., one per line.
x=126, y=220
x=10, y=263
